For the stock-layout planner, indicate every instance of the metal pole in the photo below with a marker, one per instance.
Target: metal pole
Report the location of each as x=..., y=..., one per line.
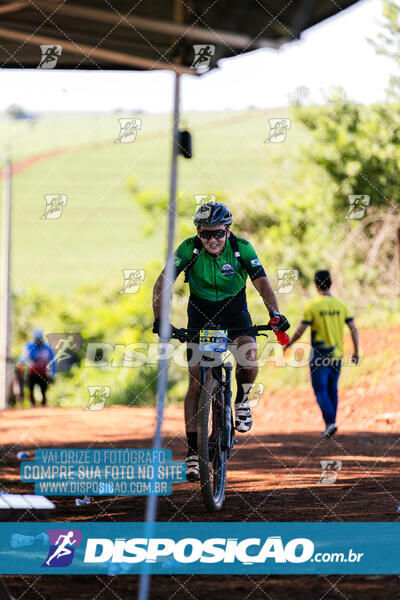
x=4, y=591
x=151, y=505
x=5, y=322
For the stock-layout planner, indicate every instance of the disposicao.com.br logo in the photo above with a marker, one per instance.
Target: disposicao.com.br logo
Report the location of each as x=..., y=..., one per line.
x=190, y=550
x=248, y=551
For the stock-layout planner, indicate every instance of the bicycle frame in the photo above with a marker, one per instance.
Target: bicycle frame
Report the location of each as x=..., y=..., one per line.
x=223, y=374
x=216, y=437
x=217, y=372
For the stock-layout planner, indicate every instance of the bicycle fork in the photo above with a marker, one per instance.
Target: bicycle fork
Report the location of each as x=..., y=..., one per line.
x=227, y=433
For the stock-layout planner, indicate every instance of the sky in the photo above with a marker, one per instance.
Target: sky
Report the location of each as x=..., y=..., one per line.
x=335, y=53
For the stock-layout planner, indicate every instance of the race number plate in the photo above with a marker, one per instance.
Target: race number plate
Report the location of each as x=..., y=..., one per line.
x=213, y=340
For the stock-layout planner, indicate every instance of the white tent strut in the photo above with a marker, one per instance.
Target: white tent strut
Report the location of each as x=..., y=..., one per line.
x=162, y=384
x=5, y=298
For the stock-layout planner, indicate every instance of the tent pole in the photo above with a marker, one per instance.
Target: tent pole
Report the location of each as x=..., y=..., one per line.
x=5, y=323
x=162, y=384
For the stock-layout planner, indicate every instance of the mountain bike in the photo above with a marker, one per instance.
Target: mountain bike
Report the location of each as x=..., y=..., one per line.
x=215, y=426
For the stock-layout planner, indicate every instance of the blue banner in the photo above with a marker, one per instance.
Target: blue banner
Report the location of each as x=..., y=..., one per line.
x=199, y=548
x=102, y=472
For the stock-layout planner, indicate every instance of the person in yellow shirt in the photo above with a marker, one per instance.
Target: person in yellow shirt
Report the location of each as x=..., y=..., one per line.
x=326, y=315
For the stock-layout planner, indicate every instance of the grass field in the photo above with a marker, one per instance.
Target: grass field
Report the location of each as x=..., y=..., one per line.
x=101, y=230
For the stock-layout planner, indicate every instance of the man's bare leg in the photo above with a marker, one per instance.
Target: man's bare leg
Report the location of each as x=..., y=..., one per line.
x=191, y=411
x=246, y=373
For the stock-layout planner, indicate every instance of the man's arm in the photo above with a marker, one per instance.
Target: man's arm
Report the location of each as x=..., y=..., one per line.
x=181, y=258
x=354, y=336
x=266, y=292
x=297, y=334
x=158, y=291
x=157, y=295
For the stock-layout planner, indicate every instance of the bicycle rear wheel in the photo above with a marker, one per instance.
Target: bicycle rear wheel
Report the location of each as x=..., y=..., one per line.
x=212, y=459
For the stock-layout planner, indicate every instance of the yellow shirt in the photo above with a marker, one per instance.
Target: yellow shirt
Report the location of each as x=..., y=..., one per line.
x=327, y=316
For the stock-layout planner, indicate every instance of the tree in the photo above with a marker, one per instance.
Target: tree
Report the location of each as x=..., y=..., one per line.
x=16, y=112
x=359, y=148
x=388, y=43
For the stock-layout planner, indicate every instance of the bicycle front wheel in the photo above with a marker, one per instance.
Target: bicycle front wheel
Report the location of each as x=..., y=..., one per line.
x=212, y=459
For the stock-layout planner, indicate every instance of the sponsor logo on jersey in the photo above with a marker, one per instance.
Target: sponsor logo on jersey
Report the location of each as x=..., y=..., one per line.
x=227, y=270
x=255, y=262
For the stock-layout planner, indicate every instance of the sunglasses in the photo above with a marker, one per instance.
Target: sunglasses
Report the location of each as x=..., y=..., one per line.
x=207, y=234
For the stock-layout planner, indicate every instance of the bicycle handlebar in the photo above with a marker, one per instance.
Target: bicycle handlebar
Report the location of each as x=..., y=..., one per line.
x=189, y=335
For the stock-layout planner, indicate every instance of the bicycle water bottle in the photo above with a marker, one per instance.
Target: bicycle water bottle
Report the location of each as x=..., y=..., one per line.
x=281, y=336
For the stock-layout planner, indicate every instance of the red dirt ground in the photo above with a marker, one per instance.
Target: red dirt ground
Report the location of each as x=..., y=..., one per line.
x=273, y=476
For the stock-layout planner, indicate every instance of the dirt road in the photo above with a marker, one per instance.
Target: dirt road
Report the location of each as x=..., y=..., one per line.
x=273, y=475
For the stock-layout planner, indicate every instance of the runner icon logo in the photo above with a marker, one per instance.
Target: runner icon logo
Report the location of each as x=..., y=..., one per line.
x=201, y=199
x=252, y=393
x=65, y=347
x=132, y=280
x=55, y=204
x=286, y=280
x=358, y=206
x=98, y=397
x=202, y=56
x=278, y=129
x=50, y=56
x=61, y=551
x=330, y=469
x=128, y=128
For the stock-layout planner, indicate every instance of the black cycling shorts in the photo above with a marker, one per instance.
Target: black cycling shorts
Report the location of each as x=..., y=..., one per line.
x=218, y=317
x=220, y=321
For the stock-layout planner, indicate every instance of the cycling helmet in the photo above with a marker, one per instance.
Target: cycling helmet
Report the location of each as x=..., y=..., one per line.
x=212, y=213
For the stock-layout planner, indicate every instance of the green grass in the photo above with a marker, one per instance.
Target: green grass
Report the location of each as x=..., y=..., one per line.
x=98, y=234
x=101, y=230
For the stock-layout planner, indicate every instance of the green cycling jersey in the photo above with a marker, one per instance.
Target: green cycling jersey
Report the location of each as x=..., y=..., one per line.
x=216, y=278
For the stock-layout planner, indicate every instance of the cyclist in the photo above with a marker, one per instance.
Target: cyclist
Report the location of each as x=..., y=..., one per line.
x=327, y=316
x=216, y=265
x=40, y=359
